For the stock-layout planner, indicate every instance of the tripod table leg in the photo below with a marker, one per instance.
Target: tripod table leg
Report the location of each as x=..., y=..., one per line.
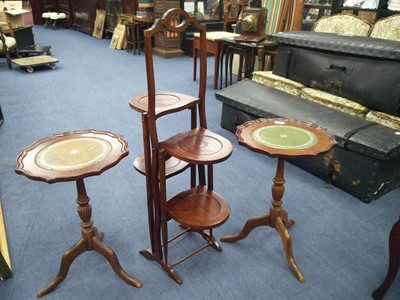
x=394, y=262
x=66, y=261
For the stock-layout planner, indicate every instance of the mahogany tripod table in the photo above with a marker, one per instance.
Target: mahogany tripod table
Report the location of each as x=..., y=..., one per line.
x=280, y=138
x=72, y=156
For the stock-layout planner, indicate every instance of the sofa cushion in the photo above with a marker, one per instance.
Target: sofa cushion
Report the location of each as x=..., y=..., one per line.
x=278, y=82
x=347, y=106
x=383, y=119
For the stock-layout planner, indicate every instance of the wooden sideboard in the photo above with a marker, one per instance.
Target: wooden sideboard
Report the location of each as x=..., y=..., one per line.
x=166, y=45
x=116, y=7
x=84, y=14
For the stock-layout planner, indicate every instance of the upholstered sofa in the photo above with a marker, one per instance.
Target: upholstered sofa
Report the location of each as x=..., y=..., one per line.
x=348, y=84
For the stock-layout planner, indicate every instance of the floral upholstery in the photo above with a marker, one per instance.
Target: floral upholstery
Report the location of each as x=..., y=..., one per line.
x=343, y=25
x=347, y=106
x=387, y=28
x=278, y=82
x=383, y=119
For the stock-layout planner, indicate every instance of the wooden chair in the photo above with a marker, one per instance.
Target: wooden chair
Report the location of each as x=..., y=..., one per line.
x=232, y=13
x=199, y=208
x=8, y=44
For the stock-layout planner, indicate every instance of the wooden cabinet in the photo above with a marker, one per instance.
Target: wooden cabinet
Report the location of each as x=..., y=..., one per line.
x=116, y=7
x=382, y=10
x=84, y=14
x=166, y=44
x=64, y=6
x=312, y=12
x=113, y=9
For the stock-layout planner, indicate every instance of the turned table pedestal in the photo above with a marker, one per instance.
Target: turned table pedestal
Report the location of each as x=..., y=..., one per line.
x=281, y=139
x=72, y=156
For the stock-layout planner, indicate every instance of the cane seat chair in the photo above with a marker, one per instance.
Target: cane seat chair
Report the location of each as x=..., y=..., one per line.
x=8, y=44
x=198, y=208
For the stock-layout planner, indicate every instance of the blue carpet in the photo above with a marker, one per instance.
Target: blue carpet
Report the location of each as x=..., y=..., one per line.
x=339, y=243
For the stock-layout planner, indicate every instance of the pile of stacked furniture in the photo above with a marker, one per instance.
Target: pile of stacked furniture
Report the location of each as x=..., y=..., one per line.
x=348, y=84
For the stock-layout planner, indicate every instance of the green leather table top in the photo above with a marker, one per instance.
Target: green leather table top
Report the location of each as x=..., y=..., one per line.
x=73, y=154
x=284, y=137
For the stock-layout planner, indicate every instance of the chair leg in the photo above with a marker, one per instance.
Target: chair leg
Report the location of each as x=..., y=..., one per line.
x=231, y=56
x=211, y=240
x=194, y=62
x=8, y=60
x=240, y=70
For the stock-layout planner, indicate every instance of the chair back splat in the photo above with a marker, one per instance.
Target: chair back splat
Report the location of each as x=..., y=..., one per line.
x=198, y=208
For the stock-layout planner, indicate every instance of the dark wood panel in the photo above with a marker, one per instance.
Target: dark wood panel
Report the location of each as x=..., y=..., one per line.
x=84, y=14
x=381, y=12
x=64, y=6
x=116, y=7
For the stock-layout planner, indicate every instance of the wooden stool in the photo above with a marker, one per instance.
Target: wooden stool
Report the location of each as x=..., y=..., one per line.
x=134, y=36
x=213, y=46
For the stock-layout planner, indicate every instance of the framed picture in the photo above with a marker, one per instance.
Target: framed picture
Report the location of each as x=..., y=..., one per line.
x=118, y=40
x=99, y=23
x=232, y=10
x=114, y=41
x=123, y=18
